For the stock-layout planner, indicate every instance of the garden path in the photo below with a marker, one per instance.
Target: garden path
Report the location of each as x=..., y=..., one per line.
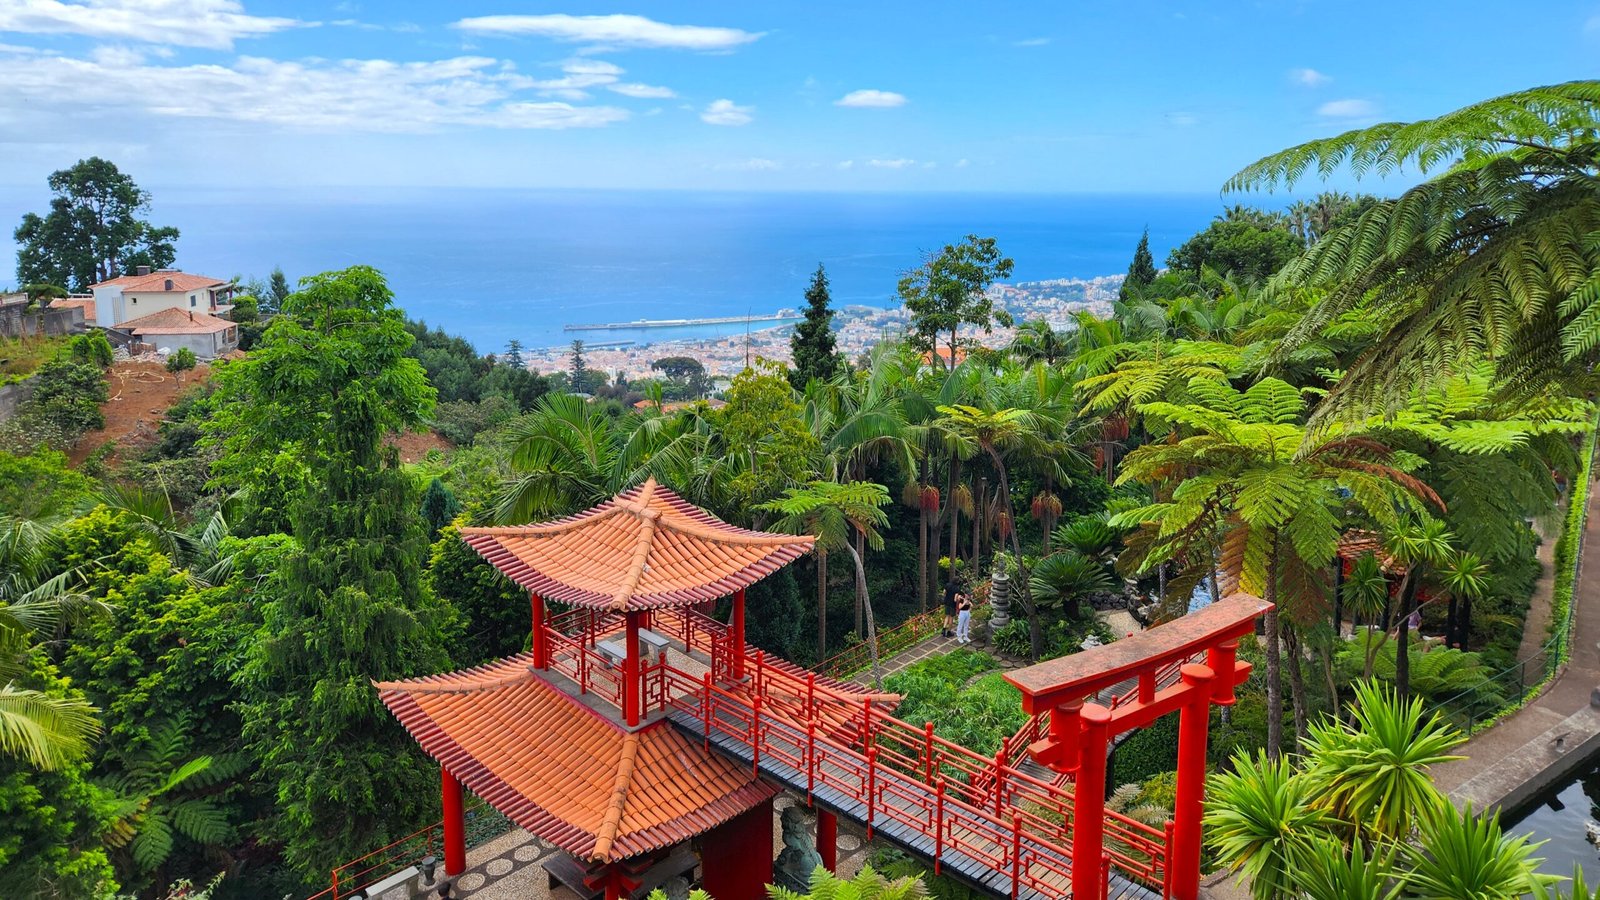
x=1544, y=742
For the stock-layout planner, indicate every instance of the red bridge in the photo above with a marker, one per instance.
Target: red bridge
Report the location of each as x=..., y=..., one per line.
x=755, y=719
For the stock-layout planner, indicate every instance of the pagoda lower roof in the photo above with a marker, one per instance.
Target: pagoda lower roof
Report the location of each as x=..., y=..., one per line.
x=564, y=772
x=643, y=549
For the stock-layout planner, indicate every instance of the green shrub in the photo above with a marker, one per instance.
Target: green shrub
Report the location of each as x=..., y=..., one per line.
x=90, y=349
x=1146, y=753
x=181, y=360
x=1013, y=639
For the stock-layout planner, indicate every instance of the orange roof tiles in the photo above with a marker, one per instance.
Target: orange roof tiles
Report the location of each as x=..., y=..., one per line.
x=156, y=282
x=561, y=770
x=1356, y=543
x=176, y=321
x=645, y=548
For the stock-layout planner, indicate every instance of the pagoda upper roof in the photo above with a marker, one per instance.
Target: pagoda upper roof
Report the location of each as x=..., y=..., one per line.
x=563, y=771
x=645, y=548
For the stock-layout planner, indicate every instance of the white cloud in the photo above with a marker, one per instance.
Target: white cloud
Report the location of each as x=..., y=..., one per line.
x=846, y=164
x=1309, y=77
x=870, y=99
x=930, y=164
x=1348, y=109
x=313, y=95
x=1183, y=119
x=1031, y=42
x=962, y=163
x=891, y=163
x=726, y=112
x=617, y=30
x=642, y=91
x=214, y=24
x=585, y=66
x=754, y=164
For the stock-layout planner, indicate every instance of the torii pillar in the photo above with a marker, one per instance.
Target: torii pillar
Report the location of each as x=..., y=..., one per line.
x=1081, y=732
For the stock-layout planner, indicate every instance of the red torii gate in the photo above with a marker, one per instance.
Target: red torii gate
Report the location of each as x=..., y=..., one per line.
x=1081, y=731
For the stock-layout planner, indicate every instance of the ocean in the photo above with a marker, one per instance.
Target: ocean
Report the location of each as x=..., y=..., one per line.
x=492, y=265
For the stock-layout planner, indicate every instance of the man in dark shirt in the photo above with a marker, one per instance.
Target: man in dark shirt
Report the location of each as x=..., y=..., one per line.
x=951, y=591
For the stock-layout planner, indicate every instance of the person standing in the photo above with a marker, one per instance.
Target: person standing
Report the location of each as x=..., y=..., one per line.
x=951, y=590
x=963, y=619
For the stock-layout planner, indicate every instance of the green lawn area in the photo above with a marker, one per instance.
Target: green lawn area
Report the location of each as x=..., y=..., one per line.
x=20, y=357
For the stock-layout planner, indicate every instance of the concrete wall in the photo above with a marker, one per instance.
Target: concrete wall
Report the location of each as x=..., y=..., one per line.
x=16, y=323
x=205, y=346
x=13, y=396
x=144, y=303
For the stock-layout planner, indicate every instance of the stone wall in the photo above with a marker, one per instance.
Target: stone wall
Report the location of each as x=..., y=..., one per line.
x=13, y=396
x=16, y=323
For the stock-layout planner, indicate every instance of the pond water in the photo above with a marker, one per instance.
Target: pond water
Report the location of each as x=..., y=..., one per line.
x=1562, y=818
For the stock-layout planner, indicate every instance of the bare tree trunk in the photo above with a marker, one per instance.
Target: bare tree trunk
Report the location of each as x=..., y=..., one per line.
x=922, y=554
x=860, y=549
x=1035, y=623
x=955, y=514
x=1274, y=659
x=865, y=602
x=1402, y=654
x=1297, y=685
x=978, y=518
x=822, y=604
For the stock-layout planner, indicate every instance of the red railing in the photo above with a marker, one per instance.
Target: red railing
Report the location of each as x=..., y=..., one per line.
x=982, y=808
x=364, y=871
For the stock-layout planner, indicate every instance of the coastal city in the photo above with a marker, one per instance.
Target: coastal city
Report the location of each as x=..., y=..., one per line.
x=858, y=328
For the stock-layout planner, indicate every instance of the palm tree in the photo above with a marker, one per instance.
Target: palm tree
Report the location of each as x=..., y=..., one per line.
x=45, y=729
x=1241, y=472
x=1463, y=578
x=1494, y=258
x=1365, y=592
x=1036, y=341
x=997, y=433
x=833, y=512
x=1419, y=546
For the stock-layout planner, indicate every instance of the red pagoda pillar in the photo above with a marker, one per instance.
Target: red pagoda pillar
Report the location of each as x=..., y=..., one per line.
x=736, y=633
x=828, y=839
x=455, y=824
x=539, y=642
x=631, y=693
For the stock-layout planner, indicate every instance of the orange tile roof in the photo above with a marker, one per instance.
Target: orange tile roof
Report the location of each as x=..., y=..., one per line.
x=176, y=321
x=1356, y=543
x=156, y=282
x=561, y=770
x=85, y=304
x=645, y=548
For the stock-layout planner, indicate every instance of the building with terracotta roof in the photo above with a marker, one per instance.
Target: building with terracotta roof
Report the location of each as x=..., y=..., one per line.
x=145, y=292
x=171, y=329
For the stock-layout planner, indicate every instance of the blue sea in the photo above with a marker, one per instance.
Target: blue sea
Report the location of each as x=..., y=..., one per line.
x=492, y=265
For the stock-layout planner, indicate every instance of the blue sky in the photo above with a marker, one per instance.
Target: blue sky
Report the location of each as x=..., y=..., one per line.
x=1047, y=97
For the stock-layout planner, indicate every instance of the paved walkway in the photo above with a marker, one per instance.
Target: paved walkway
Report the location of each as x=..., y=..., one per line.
x=1545, y=741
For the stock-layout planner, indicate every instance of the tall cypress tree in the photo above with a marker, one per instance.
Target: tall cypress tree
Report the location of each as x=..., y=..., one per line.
x=815, y=353
x=328, y=381
x=1142, y=271
x=578, y=373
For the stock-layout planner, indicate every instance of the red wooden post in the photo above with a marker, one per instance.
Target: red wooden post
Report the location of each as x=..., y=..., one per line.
x=539, y=642
x=811, y=694
x=705, y=711
x=1221, y=660
x=755, y=736
x=736, y=635
x=1089, y=802
x=811, y=759
x=1016, y=853
x=1192, y=723
x=828, y=839
x=938, y=826
x=760, y=683
x=999, y=779
x=872, y=784
x=927, y=744
x=1065, y=726
x=630, y=671
x=455, y=824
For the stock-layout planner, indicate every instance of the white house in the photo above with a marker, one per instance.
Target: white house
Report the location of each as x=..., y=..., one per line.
x=145, y=292
x=208, y=336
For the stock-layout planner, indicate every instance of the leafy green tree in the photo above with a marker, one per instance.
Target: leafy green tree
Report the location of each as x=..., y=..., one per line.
x=1237, y=246
x=816, y=354
x=439, y=508
x=1036, y=341
x=1492, y=258
x=1141, y=272
x=513, y=355
x=181, y=360
x=951, y=289
x=686, y=376
x=762, y=425
x=277, y=292
x=347, y=606
x=577, y=372
x=41, y=485
x=493, y=610
x=93, y=231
